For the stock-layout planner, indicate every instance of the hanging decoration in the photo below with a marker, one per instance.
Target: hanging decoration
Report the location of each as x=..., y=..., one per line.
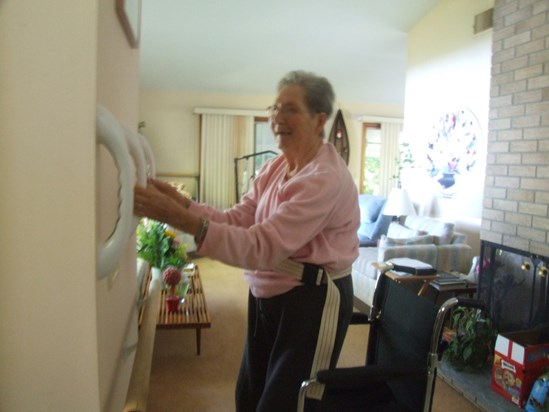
x=339, y=137
x=452, y=149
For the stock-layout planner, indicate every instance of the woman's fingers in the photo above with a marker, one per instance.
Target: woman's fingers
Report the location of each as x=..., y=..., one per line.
x=164, y=188
x=138, y=199
x=169, y=191
x=152, y=203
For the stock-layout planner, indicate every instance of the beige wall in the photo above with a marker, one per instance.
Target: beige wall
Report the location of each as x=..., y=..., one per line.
x=117, y=87
x=173, y=129
x=448, y=68
x=54, y=355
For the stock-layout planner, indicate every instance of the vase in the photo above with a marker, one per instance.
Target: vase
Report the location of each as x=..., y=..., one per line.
x=183, y=287
x=156, y=273
x=447, y=180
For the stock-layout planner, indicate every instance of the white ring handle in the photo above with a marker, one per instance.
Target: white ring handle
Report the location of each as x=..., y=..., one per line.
x=138, y=155
x=149, y=156
x=136, y=152
x=111, y=135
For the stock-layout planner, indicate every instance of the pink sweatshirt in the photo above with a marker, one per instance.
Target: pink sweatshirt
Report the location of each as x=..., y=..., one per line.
x=312, y=217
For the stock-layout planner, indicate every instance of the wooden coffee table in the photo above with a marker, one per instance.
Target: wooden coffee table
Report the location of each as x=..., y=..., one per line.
x=192, y=313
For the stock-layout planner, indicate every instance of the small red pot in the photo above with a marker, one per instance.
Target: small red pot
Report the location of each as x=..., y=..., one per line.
x=173, y=303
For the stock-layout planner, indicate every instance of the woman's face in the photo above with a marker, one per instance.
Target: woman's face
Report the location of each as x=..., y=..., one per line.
x=294, y=127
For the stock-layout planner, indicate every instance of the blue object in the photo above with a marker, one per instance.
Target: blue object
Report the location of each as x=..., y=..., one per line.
x=373, y=223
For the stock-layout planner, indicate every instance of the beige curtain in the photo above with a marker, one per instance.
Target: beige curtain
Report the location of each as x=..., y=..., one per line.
x=390, y=132
x=223, y=137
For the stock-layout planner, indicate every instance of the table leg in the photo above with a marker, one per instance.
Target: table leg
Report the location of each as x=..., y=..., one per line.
x=423, y=288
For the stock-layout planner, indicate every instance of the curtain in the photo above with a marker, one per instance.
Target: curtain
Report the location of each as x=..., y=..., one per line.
x=222, y=138
x=390, y=152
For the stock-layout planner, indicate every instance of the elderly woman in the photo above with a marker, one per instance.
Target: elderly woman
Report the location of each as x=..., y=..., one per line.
x=295, y=235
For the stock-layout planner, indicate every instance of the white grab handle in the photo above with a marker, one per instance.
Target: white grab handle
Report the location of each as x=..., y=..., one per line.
x=137, y=153
x=149, y=156
x=111, y=135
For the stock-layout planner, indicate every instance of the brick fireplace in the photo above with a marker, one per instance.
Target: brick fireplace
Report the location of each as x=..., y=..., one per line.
x=516, y=196
x=515, y=218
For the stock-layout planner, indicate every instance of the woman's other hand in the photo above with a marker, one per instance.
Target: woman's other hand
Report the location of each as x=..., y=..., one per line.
x=160, y=205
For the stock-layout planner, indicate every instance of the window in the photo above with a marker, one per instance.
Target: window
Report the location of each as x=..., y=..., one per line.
x=264, y=141
x=248, y=165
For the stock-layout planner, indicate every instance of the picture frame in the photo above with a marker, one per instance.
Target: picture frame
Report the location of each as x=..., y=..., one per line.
x=129, y=14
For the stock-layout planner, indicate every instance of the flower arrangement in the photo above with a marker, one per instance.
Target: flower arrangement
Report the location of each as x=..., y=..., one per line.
x=453, y=148
x=157, y=245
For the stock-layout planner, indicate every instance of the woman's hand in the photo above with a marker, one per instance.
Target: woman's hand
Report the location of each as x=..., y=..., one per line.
x=152, y=203
x=170, y=191
x=159, y=202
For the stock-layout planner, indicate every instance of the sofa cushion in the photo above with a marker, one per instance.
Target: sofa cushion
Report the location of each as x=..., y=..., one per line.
x=426, y=253
x=385, y=241
x=456, y=257
x=363, y=263
x=398, y=231
x=443, y=231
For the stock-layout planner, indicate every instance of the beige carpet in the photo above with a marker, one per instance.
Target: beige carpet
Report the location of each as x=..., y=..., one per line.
x=181, y=381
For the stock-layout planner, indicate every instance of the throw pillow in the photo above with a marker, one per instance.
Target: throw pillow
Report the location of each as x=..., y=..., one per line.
x=385, y=241
x=442, y=231
x=370, y=207
x=398, y=231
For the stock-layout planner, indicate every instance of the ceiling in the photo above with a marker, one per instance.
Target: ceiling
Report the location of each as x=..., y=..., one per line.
x=246, y=46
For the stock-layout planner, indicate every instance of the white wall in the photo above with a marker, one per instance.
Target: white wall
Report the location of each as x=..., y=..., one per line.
x=54, y=356
x=47, y=157
x=117, y=88
x=448, y=68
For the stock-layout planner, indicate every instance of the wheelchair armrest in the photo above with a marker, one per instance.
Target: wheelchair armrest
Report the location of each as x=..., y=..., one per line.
x=360, y=318
x=363, y=375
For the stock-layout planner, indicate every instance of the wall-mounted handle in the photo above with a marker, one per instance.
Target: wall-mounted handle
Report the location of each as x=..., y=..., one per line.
x=137, y=152
x=149, y=155
x=111, y=135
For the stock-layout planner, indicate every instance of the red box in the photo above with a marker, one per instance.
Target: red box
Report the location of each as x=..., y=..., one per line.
x=519, y=358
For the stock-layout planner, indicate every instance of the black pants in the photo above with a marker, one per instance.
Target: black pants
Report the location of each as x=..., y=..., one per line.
x=281, y=343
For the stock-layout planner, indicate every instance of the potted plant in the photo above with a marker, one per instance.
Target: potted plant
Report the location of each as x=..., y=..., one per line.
x=158, y=245
x=471, y=346
x=171, y=277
